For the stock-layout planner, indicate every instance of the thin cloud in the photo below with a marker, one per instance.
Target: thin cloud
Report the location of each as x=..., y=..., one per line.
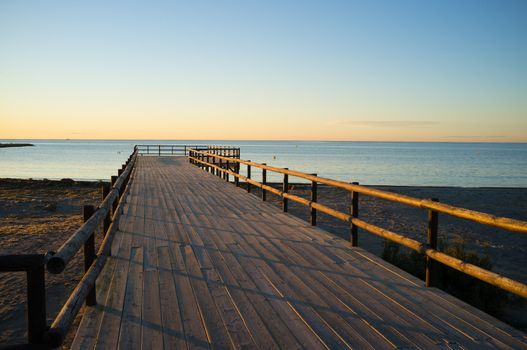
x=387, y=123
x=477, y=137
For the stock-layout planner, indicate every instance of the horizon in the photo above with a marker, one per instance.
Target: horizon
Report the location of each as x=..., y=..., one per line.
x=260, y=140
x=340, y=71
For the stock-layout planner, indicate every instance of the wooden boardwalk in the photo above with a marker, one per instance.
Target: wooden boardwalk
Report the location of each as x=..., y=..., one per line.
x=199, y=263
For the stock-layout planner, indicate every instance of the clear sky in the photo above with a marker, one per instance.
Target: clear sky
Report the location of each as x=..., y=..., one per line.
x=315, y=70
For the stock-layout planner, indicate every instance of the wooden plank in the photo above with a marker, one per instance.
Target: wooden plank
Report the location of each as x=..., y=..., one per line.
x=172, y=325
x=286, y=318
x=151, y=328
x=196, y=334
x=305, y=255
x=235, y=322
x=378, y=342
x=108, y=333
x=130, y=331
x=253, y=307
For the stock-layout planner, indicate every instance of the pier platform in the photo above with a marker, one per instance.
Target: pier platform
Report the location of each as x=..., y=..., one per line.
x=200, y=263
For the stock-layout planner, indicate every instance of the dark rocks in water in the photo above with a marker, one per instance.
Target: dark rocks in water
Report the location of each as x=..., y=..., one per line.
x=67, y=181
x=5, y=145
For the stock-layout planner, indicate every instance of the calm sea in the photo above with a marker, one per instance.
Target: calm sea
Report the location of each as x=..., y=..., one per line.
x=371, y=163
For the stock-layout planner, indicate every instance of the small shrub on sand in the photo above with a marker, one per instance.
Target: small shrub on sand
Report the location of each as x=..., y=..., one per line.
x=469, y=289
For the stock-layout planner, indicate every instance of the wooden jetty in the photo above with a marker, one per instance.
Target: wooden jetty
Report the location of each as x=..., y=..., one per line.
x=200, y=263
x=191, y=261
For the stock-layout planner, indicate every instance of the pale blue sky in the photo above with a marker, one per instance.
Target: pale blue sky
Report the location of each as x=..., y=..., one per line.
x=343, y=70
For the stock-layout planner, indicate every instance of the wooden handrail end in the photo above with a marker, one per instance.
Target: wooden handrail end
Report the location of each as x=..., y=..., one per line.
x=55, y=264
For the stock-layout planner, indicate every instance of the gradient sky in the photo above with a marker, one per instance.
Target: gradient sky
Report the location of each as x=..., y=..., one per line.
x=314, y=70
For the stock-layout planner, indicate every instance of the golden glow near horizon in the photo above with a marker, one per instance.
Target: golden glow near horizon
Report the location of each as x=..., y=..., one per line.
x=307, y=121
x=341, y=72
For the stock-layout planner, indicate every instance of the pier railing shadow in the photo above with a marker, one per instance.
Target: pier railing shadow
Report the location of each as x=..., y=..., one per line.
x=224, y=167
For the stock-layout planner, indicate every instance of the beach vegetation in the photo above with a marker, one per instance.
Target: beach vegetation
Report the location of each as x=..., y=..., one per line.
x=480, y=294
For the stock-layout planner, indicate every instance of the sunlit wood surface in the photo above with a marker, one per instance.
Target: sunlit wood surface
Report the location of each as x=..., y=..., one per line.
x=199, y=263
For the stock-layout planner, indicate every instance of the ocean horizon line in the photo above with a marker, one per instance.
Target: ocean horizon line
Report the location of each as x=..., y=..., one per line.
x=265, y=140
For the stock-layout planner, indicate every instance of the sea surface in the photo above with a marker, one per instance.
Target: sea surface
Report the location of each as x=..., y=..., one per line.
x=370, y=163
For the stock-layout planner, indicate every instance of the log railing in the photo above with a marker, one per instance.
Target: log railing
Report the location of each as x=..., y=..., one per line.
x=106, y=214
x=223, y=167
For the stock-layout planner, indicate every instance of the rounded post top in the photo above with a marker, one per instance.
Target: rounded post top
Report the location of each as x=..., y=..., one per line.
x=55, y=264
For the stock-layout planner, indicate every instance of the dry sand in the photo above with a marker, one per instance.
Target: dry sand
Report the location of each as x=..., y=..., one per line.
x=37, y=216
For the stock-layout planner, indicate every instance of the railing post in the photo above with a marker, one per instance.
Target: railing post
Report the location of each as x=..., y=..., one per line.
x=208, y=162
x=107, y=219
x=214, y=170
x=264, y=182
x=36, y=304
x=314, y=194
x=114, y=204
x=248, y=176
x=285, y=189
x=432, y=242
x=159, y=150
x=89, y=253
x=220, y=164
x=236, y=178
x=354, y=237
x=226, y=173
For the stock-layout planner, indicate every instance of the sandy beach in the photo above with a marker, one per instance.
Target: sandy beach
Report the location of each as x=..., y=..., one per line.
x=37, y=216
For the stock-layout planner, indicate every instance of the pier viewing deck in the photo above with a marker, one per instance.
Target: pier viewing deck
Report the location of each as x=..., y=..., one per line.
x=199, y=263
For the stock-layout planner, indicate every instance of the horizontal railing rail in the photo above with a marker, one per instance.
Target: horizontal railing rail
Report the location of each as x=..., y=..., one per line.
x=106, y=214
x=223, y=166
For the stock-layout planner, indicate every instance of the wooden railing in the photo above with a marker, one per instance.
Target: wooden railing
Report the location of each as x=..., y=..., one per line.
x=223, y=167
x=182, y=150
x=106, y=214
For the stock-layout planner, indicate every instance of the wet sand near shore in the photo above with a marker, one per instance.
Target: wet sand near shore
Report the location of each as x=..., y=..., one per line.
x=38, y=216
